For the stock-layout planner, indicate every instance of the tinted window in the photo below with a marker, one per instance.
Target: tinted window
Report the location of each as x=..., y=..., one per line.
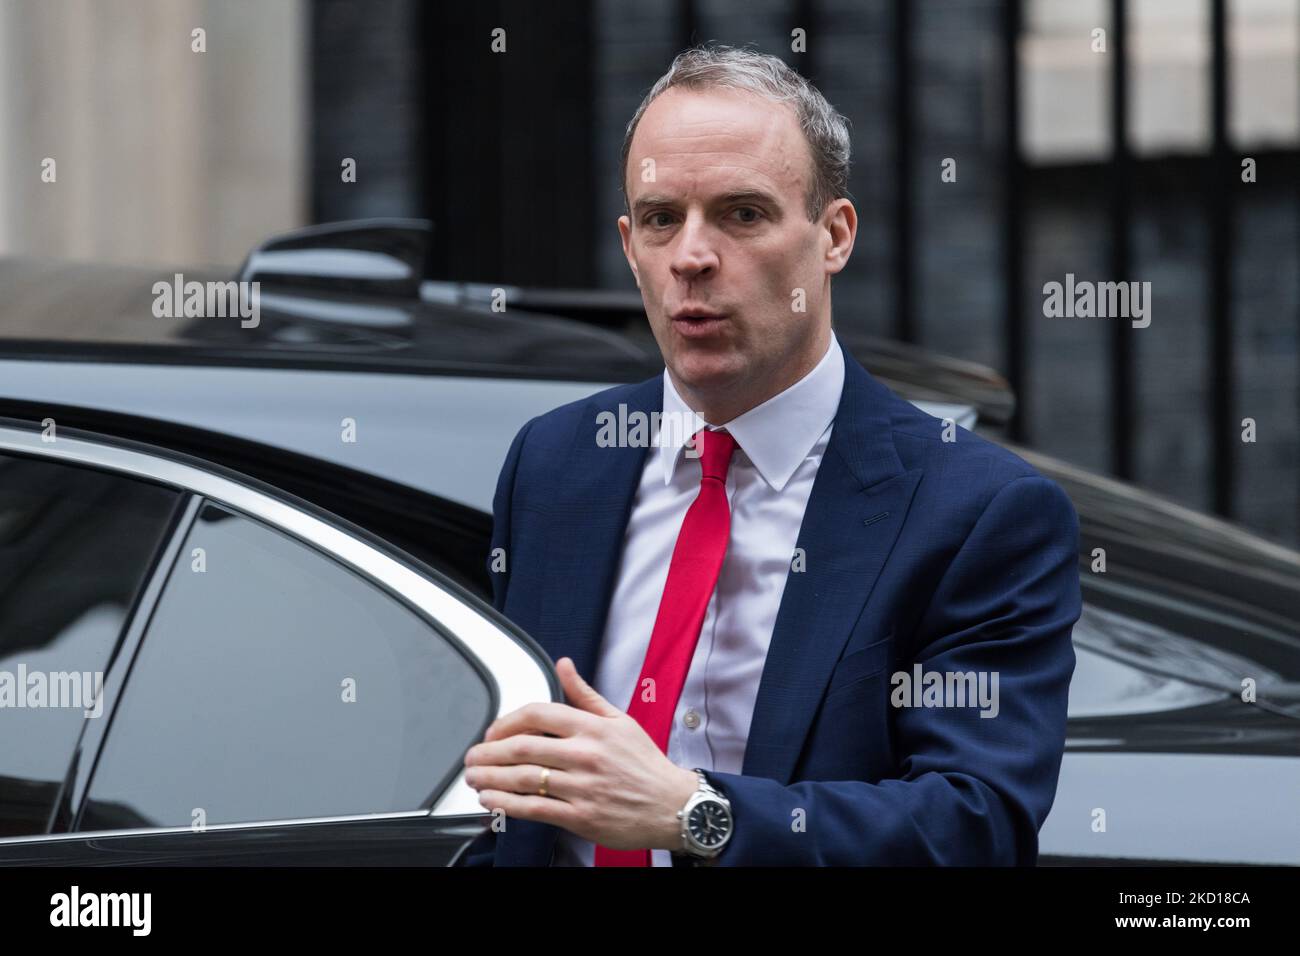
x=275, y=683
x=1125, y=665
x=75, y=547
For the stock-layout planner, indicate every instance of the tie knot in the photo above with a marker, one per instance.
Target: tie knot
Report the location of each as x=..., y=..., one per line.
x=715, y=450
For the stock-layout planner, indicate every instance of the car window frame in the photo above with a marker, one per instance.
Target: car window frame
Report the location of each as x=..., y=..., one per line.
x=499, y=651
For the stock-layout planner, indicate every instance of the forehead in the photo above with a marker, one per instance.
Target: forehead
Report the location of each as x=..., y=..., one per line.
x=719, y=140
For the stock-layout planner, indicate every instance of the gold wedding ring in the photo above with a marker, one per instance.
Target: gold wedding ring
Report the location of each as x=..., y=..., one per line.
x=546, y=772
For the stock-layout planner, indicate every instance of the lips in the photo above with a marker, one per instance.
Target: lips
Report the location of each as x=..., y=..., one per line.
x=695, y=312
x=693, y=322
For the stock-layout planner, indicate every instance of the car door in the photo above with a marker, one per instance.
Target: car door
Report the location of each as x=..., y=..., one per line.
x=282, y=688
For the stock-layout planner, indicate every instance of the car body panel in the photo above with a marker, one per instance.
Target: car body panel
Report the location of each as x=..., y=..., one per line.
x=1201, y=808
x=380, y=840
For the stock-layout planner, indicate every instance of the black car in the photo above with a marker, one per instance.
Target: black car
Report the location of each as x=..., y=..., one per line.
x=272, y=544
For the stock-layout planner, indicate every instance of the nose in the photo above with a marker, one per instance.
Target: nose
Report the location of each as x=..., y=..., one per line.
x=694, y=257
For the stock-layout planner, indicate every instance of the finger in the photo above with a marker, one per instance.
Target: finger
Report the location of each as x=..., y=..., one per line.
x=557, y=752
x=523, y=779
x=541, y=809
x=581, y=694
x=540, y=718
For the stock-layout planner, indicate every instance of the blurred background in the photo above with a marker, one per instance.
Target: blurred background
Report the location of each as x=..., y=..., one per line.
x=1103, y=138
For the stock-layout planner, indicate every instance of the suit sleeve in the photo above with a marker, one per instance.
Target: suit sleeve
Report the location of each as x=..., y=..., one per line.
x=971, y=790
x=483, y=849
x=501, y=503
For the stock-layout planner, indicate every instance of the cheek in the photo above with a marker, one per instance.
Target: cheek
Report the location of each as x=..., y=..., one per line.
x=775, y=280
x=780, y=268
x=649, y=283
x=651, y=271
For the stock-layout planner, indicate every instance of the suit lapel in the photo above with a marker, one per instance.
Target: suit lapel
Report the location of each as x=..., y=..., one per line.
x=858, y=503
x=585, y=548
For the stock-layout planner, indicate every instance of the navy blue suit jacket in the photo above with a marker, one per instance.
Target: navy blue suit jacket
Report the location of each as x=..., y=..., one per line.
x=955, y=555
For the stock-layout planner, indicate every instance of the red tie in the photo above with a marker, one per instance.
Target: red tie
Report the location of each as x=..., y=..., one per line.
x=692, y=575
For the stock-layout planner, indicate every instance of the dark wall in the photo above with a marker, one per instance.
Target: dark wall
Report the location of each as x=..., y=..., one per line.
x=494, y=147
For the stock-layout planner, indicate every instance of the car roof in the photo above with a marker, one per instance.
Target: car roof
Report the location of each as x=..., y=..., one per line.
x=74, y=309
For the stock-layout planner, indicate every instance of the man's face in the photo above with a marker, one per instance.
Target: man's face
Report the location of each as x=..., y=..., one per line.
x=720, y=240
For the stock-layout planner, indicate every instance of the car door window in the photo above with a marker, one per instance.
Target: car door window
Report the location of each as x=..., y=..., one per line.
x=76, y=546
x=276, y=683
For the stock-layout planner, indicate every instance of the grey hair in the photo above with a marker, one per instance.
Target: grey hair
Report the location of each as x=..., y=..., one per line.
x=714, y=67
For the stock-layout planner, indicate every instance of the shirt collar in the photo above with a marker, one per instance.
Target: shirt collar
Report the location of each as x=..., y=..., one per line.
x=776, y=435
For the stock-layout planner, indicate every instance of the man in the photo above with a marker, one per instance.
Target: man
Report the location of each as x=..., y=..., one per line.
x=737, y=602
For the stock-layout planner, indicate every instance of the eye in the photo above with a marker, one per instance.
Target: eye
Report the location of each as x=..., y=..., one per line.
x=757, y=215
x=652, y=219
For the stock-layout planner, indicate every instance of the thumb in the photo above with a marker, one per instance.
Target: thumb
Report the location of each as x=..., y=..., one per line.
x=579, y=693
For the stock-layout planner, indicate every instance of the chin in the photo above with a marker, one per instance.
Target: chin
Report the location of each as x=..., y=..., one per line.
x=704, y=369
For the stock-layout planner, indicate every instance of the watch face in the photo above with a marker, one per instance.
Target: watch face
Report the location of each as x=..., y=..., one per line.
x=709, y=823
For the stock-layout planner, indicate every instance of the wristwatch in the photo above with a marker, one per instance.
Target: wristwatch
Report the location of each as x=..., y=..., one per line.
x=706, y=821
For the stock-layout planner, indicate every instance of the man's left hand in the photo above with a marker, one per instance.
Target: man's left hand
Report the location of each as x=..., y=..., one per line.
x=609, y=782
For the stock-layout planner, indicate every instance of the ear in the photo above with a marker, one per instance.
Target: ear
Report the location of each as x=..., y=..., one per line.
x=841, y=224
x=625, y=232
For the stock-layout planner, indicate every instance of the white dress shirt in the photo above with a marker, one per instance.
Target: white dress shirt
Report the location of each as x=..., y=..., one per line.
x=770, y=478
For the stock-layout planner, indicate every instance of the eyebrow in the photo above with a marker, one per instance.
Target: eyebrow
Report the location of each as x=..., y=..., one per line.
x=756, y=196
